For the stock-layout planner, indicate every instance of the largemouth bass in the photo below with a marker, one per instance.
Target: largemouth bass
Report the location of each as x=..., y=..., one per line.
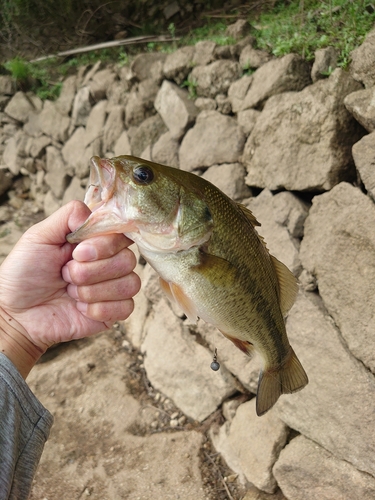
x=209, y=257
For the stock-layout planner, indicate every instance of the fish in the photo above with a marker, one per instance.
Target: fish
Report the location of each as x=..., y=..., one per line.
x=209, y=257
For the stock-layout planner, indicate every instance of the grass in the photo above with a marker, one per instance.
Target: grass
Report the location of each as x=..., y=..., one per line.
x=300, y=26
x=303, y=26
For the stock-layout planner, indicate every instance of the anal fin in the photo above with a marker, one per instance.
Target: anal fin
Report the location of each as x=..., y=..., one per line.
x=242, y=345
x=177, y=295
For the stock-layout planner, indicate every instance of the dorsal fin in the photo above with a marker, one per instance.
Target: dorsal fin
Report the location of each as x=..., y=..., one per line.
x=249, y=214
x=288, y=285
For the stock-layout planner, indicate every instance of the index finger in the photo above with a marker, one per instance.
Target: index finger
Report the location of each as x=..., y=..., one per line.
x=100, y=247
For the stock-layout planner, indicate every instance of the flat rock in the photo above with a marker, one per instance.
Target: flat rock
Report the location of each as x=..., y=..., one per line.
x=95, y=122
x=229, y=178
x=290, y=72
x=215, y=78
x=65, y=100
x=339, y=250
x=82, y=105
x=122, y=145
x=292, y=147
x=147, y=133
x=52, y=123
x=339, y=400
x=170, y=96
x=306, y=471
x=362, y=66
x=204, y=53
x=187, y=378
x=362, y=106
x=165, y=150
x=238, y=90
x=277, y=237
x=113, y=128
x=214, y=139
x=364, y=155
x=57, y=177
x=251, y=445
x=100, y=83
x=140, y=103
x=22, y=105
x=149, y=65
x=14, y=152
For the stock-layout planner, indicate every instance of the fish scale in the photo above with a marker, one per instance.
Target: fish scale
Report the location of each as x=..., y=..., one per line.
x=209, y=257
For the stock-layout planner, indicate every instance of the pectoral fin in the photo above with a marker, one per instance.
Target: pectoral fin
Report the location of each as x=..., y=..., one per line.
x=176, y=294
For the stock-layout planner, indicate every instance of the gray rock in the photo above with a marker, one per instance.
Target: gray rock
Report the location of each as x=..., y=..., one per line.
x=295, y=148
x=22, y=104
x=230, y=178
x=238, y=90
x=253, y=58
x=291, y=72
x=76, y=154
x=165, y=150
x=337, y=408
x=7, y=85
x=239, y=29
x=205, y=103
x=57, y=177
x=14, y=152
x=291, y=212
x=339, y=249
x=187, y=378
x=122, y=145
x=82, y=105
x=224, y=105
x=113, y=128
x=362, y=66
x=140, y=104
x=9, y=235
x=52, y=123
x=178, y=65
x=325, y=61
x=74, y=191
x=147, y=133
x=6, y=179
x=247, y=119
x=204, y=53
x=50, y=203
x=214, y=139
x=36, y=146
x=215, y=78
x=171, y=97
x=65, y=100
x=277, y=237
x=306, y=471
x=95, y=122
x=364, y=155
x=362, y=106
x=100, y=84
x=149, y=66
x=251, y=445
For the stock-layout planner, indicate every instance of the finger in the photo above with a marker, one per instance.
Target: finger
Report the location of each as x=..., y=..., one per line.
x=100, y=247
x=107, y=312
x=88, y=273
x=116, y=289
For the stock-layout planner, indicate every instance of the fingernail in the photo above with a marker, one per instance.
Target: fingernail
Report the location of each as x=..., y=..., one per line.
x=65, y=273
x=82, y=307
x=85, y=252
x=72, y=291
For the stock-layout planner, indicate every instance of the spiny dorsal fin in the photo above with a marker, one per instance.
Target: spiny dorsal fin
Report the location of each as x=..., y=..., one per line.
x=288, y=285
x=249, y=214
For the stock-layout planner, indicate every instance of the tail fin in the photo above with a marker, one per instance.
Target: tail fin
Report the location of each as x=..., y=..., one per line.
x=285, y=379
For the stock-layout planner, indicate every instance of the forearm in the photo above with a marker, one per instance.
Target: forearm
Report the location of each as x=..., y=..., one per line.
x=14, y=343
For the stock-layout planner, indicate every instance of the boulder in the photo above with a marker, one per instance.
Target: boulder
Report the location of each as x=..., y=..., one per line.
x=253, y=58
x=277, y=237
x=362, y=66
x=122, y=145
x=74, y=191
x=165, y=150
x=230, y=178
x=339, y=250
x=215, y=78
x=149, y=66
x=171, y=97
x=22, y=104
x=140, y=104
x=238, y=90
x=53, y=123
x=251, y=445
x=239, y=29
x=291, y=212
x=100, y=83
x=302, y=140
x=361, y=104
x=324, y=63
x=364, y=155
x=68, y=91
x=36, y=146
x=339, y=400
x=57, y=177
x=290, y=72
x=7, y=85
x=247, y=119
x=6, y=179
x=178, y=65
x=187, y=378
x=113, y=128
x=204, y=53
x=95, y=122
x=147, y=133
x=306, y=471
x=14, y=152
x=82, y=105
x=214, y=139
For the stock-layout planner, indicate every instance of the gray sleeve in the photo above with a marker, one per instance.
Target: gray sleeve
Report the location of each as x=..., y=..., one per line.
x=24, y=429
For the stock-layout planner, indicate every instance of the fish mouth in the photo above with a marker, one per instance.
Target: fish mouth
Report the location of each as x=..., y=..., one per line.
x=107, y=212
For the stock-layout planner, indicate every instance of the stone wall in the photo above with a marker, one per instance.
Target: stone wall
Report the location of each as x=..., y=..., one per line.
x=296, y=147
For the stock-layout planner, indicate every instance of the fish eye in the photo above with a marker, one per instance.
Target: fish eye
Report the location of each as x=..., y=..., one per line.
x=143, y=174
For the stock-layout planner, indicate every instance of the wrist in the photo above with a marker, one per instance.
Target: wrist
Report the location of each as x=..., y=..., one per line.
x=16, y=345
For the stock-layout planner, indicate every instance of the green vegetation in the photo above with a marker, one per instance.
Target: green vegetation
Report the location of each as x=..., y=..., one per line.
x=304, y=26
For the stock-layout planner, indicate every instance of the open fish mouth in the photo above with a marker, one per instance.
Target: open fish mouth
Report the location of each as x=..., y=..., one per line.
x=101, y=183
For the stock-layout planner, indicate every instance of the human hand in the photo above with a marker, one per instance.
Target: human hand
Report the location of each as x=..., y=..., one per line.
x=52, y=291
